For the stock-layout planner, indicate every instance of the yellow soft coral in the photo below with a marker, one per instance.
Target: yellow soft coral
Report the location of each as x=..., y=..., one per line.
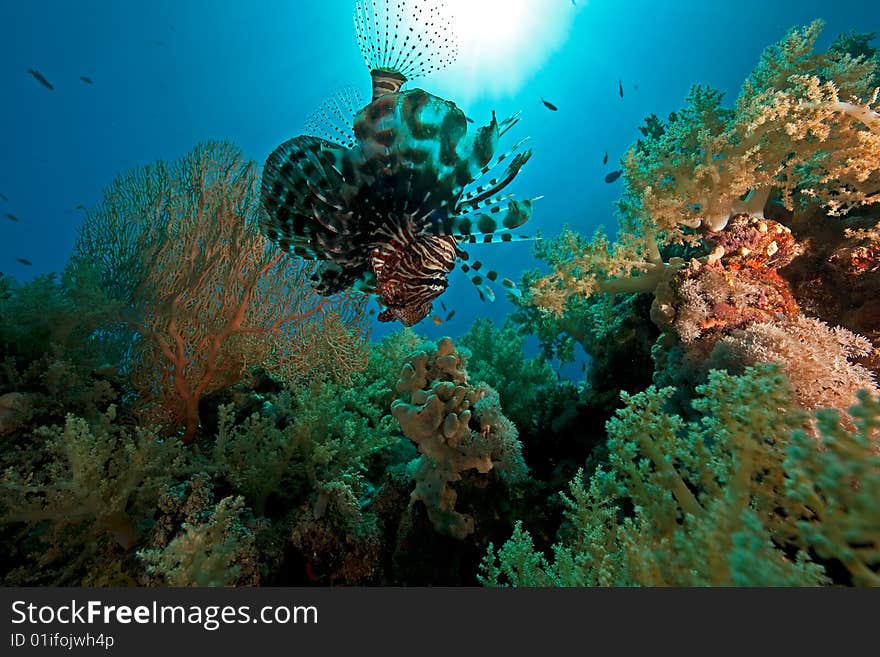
x=805, y=127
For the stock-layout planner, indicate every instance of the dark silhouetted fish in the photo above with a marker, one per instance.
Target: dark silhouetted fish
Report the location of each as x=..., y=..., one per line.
x=86, y=79
x=450, y=315
x=614, y=175
x=40, y=78
x=620, y=87
x=80, y=207
x=10, y=216
x=388, y=196
x=550, y=106
x=24, y=261
x=605, y=159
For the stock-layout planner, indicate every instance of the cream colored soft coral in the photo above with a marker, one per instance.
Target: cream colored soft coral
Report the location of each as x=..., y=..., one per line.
x=805, y=124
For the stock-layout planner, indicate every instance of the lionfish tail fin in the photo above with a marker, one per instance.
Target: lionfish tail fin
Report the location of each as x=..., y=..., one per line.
x=411, y=39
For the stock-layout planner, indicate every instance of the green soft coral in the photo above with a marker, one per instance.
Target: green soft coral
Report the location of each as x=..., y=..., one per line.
x=94, y=482
x=303, y=442
x=722, y=500
x=497, y=359
x=840, y=484
x=220, y=551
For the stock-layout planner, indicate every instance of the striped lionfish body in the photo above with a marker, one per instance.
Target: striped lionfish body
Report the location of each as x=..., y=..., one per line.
x=386, y=197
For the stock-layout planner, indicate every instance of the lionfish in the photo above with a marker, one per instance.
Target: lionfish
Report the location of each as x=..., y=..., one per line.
x=386, y=196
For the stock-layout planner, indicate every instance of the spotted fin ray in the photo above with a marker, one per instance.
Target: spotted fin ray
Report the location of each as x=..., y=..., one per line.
x=298, y=190
x=333, y=120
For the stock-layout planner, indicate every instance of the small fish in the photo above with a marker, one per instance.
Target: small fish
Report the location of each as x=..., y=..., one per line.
x=550, y=106
x=24, y=261
x=86, y=79
x=450, y=315
x=443, y=306
x=10, y=216
x=436, y=320
x=3, y=197
x=614, y=175
x=605, y=159
x=39, y=78
x=620, y=87
x=80, y=207
x=468, y=119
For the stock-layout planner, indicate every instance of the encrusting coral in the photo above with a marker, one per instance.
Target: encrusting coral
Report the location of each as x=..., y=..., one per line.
x=457, y=427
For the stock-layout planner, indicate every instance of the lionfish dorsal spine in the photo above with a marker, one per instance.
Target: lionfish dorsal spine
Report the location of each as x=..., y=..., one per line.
x=333, y=120
x=403, y=40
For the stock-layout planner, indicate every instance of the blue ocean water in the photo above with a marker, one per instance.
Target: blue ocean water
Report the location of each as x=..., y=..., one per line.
x=167, y=74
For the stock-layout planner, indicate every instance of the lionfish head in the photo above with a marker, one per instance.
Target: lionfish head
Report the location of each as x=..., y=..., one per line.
x=407, y=315
x=411, y=272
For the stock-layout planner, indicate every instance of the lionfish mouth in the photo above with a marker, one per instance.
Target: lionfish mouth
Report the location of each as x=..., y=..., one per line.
x=406, y=315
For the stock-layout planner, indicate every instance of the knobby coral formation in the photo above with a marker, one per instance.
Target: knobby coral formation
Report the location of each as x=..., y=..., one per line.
x=457, y=427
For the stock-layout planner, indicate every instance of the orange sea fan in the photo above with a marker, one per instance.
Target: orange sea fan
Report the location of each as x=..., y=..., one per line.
x=206, y=294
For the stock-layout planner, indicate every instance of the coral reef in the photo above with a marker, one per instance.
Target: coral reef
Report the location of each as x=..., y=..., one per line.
x=95, y=481
x=183, y=406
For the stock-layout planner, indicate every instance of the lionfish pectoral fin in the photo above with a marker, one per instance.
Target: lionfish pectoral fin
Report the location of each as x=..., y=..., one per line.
x=511, y=288
x=297, y=191
x=480, y=279
x=507, y=123
x=482, y=226
x=476, y=188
